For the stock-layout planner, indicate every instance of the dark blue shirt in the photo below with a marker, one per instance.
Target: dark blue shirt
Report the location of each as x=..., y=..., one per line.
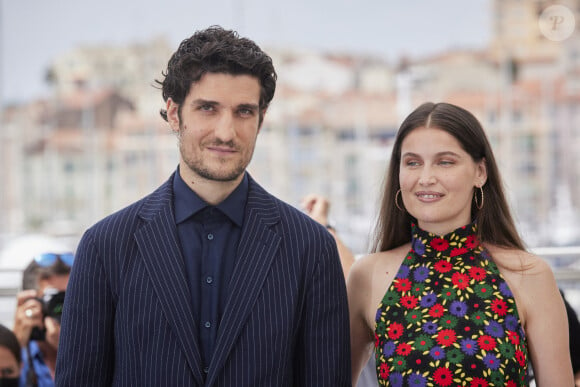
x=209, y=237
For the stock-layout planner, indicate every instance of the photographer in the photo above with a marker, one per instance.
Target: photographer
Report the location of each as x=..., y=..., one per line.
x=37, y=317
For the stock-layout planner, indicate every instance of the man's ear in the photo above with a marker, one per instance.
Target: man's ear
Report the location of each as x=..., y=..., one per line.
x=173, y=115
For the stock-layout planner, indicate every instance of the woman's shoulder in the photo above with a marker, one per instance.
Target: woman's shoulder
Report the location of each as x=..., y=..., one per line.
x=530, y=278
x=518, y=260
x=369, y=277
x=364, y=268
x=393, y=257
x=529, y=273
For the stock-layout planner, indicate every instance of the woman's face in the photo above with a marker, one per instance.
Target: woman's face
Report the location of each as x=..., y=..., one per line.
x=9, y=366
x=437, y=179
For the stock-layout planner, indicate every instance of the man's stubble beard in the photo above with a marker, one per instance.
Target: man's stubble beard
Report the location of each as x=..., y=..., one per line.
x=197, y=165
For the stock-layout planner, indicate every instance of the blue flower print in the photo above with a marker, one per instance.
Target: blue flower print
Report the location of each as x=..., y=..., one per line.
x=428, y=300
x=421, y=273
x=378, y=315
x=469, y=347
x=505, y=290
x=430, y=327
x=403, y=272
x=389, y=348
x=491, y=361
x=419, y=246
x=396, y=379
x=417, y=380
x=458, y=308
x=494, y=329
x=437, y=353
x=511, y=322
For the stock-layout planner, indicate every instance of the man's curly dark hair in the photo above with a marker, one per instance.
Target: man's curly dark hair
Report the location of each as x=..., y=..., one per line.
x=216, y=50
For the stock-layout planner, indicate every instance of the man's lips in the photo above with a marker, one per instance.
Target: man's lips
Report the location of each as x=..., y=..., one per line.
x=221, y=149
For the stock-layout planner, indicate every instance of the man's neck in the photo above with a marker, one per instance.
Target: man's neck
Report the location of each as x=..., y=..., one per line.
x=211, y=191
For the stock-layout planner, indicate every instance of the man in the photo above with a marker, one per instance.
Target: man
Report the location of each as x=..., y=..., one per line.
x=209, y=280
x=37, y=317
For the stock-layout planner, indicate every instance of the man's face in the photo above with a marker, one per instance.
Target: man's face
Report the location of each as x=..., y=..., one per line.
x=58, y=282
x=217, y=127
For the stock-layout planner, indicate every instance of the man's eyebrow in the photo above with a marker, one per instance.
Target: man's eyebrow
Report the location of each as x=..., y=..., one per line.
x=201, y=101
x=251, y=106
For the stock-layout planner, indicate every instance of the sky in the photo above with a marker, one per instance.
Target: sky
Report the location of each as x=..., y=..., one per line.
x=34, y=32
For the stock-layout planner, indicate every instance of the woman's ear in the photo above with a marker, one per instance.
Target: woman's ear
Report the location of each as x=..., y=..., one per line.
x=481, y=173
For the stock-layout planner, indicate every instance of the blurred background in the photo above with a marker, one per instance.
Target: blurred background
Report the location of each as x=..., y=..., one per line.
x=81, y=137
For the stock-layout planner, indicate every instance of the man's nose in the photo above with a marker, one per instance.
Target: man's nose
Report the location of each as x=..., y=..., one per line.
x=225, y=127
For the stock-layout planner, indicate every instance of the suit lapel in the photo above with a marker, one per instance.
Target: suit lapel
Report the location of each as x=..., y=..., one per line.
x=159, y=247
x=257, y=247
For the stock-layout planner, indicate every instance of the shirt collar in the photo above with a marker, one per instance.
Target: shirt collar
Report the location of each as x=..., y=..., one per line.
x=187, y=202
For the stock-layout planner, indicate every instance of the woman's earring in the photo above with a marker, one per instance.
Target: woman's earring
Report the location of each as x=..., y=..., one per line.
x=397, y=200
x=478, y=203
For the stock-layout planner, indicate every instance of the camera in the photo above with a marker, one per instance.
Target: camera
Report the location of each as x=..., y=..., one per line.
x=51, y=302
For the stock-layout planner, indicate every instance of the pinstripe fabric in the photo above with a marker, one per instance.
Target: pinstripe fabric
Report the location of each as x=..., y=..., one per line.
x=128, y=320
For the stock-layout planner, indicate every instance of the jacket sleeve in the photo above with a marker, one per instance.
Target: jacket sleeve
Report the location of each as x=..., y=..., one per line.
x=323, y=354
x=86, y=347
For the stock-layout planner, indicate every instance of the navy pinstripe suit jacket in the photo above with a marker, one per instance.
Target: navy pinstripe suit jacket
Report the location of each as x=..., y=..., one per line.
x=128, y=318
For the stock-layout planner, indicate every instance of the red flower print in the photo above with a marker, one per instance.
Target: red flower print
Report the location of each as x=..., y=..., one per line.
x=486, y=342
x=479, y=382
x=439, y=244
x=446, y=337
x=443, y=266
x=458, y=251
x=402, y=284
x=514, y=338
x=520, y=358
x=404, y=349
x=477, y=273
x=443, y=376
x=377, y=340
x=499, y=306
x=460, y=280
x=511, y=383
x=436, y=310
x=471, y=241
x=409, y=302
x=395, y=330
x=384, y=371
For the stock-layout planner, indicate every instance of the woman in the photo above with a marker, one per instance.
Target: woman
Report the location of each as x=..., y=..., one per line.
x=450, y=296
x=10, y=364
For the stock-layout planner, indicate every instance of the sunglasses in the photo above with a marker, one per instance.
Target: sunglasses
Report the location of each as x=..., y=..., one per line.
x=48, y=259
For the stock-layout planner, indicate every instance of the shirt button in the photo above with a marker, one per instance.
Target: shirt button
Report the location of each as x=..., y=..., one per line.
x=207, y=324
x=209, y=280
x=205, y=370
x=210, y=236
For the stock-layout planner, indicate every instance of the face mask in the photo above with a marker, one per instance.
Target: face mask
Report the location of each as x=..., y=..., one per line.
x=9, y=382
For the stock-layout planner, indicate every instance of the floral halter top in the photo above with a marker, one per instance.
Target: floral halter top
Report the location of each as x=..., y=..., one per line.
x=449, y=318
